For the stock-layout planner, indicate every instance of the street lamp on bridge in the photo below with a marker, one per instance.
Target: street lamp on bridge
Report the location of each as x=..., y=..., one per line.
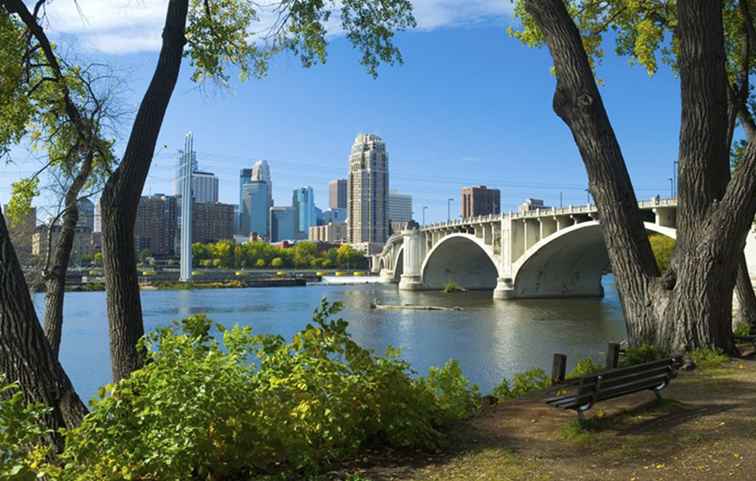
x=425, y=207
x=448, y=209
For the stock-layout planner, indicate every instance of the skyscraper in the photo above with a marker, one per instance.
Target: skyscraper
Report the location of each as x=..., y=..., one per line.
x=283, y=223
x=204, y=184
x=303, y=201
x=400, y=207
x=480, y=200
x=254, y=209
x=261, y=173
x=337, y=194
x=204, y=187
x=367, y=193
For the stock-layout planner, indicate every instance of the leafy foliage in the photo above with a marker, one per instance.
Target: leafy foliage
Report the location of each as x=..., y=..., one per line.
x=22, y=449
x=261, y=254
x=641, y=354
x=223, y=32
x=584, y=367
x=662, y=247
x=200, y=409
x=709, y=358
x=521, y=384
x=742, y=329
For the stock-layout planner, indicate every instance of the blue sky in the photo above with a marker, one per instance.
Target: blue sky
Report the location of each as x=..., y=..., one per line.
x=469, y=106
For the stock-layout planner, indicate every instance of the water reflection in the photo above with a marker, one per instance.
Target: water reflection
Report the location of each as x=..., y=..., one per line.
x=491, y=339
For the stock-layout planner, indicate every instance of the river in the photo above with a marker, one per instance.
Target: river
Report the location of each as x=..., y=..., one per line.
x=491, y=339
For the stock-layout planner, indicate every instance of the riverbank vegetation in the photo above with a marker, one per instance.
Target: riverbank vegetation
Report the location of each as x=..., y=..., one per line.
x=200, y=409
x=262, y=255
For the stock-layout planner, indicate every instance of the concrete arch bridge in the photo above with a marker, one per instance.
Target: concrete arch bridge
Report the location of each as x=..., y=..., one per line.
x=556, y=252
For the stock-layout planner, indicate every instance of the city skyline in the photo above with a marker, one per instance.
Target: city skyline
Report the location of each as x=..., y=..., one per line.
x=439, y=142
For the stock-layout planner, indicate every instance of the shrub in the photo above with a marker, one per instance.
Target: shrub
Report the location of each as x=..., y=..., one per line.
x=199, y=409
x=260, y=263
x=708, y=358
x=742, y=329
x=276, y=262
x=584, y=367
x=22, y=448
x=521, y=384
x=456, y=398
x=450, y=287
x=641, y=354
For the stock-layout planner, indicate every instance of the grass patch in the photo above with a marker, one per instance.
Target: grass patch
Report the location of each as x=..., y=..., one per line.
x=709, y=358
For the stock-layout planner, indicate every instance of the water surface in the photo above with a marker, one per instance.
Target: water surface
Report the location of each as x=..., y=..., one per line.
x=491, y=339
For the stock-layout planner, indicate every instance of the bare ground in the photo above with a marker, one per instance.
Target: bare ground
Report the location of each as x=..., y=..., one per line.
x=705, y=429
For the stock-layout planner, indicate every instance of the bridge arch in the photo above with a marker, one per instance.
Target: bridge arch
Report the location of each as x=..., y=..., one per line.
x=463, y=259
x=398, y=268
x=568, y=263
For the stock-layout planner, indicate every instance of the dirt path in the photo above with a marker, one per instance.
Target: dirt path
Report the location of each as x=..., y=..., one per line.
x=704, y=430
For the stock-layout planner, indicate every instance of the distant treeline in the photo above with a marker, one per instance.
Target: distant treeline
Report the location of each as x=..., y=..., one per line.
x=226, y=254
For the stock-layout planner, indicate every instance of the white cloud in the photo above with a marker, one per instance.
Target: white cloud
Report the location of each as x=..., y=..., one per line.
x=126, y=26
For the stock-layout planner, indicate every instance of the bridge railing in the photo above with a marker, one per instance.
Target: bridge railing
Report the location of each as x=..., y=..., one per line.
x=536, y=213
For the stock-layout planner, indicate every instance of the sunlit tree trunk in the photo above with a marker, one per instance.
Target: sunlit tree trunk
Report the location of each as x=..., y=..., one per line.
x=121, y=197
x=691, y=306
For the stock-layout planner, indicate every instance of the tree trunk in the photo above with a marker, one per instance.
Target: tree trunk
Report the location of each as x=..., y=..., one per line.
x=25, y=355
x=121, y=197
x=746, y=296
x=578, y=103
x=56, y=281
x=691, y=306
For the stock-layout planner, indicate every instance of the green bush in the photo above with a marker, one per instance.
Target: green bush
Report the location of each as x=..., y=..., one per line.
x=742, y=329
x=276, y=262
x=521, y=384
x=584, y=367
x=199, y=409
x=641, y=354
x=455, y=397
x=22, y=449
x=708, y=358
x=260, y=263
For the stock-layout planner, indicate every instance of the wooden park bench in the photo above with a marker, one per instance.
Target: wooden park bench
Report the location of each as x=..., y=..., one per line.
x=750, y=339
x=584, y=392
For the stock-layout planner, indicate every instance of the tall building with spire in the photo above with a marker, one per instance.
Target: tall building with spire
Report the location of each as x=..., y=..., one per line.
x=367, y=193
x=255, y=200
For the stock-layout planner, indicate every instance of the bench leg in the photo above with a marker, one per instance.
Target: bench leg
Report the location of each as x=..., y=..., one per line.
x=658, y=394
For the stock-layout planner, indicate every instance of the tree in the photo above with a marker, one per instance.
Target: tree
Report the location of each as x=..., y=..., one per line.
x=37, y=93
x=691, y=304
x=212, y=33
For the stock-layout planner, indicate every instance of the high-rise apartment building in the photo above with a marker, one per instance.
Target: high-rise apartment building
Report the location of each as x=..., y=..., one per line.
x=86, y=214
x=283, y=224
x=337, y=194
x=204, y=185
x=254, y=210
x=156, y=225
x=303, y=201
x=212, y=222
x=367, y=193
x=480, y=200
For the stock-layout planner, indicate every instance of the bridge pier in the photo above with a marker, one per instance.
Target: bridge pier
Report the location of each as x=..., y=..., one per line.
x=414, y=251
